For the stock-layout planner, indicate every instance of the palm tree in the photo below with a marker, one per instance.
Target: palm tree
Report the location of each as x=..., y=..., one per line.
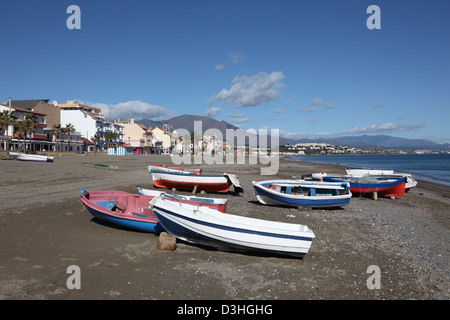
x=57, y=131
x=69, y=129
x=7, y=118
x=95, y=139
x=21, y=129
x=110, y=136
x=30, y=124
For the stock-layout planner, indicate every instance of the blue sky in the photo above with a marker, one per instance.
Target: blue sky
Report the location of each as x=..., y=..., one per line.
x=309, y=68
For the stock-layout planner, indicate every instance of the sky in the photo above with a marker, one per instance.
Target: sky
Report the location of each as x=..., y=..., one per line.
x=308, y=68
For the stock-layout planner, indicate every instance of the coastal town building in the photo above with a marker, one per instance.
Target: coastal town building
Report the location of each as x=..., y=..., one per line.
x=35, y=140
x=90, y=122
x=51, y=110
x=161, y=140
x=137, y=136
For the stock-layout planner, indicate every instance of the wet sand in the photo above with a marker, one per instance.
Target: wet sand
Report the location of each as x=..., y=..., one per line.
x=45, y=229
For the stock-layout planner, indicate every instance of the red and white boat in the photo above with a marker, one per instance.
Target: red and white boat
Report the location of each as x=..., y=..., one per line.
x=164, y=168
x=188, y=182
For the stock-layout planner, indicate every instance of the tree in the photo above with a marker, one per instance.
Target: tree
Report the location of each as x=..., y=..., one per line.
x=57, y=131
x=69, y=129
x=30, y=124
x=110, y=136
x=21, y=129
x=95, y=139
x=7, y=118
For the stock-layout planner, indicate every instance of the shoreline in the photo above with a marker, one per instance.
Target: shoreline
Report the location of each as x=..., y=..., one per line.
x=45, y=229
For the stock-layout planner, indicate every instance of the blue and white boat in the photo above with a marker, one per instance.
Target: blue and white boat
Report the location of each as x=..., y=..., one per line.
x=223, y=231
x=314, y=194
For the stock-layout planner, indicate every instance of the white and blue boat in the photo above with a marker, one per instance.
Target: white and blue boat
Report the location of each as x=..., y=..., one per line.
x=314, y=194
x=223, y=231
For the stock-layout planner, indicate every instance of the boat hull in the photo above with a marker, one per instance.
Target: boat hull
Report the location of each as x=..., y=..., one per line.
x=187, y=182
x=31, y=157
x=385, y=187
x=268, y=196
x=136, y=216
x=410, y=181
x=234, y=232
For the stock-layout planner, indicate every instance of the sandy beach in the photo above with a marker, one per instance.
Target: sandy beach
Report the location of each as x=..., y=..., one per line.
x=45, y=229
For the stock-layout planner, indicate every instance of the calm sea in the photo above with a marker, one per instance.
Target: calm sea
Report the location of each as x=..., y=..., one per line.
x=428, y=167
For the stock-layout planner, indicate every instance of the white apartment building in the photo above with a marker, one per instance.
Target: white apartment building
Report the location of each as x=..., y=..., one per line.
x=89, y=121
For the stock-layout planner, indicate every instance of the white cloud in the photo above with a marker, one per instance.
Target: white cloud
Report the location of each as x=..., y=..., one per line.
x=306, y=109
x=250, y=91
x=236, y=115
x=313, y=120
x=316, y=102
x=279, y=110
x=240, y=120
x=219, y=66
x=320, y=102
x=384, y=127
x=378, y=106
x=237, y=57
x=214, y=111
x=133, y=109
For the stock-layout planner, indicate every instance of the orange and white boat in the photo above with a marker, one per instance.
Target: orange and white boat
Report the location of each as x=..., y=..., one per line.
x=188, y=182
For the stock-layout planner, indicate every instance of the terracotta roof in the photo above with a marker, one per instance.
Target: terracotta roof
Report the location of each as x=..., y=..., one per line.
x=74, y=105
x=86, y=141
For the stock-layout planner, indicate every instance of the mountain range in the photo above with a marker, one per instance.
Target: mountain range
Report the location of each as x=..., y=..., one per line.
x=374, y=142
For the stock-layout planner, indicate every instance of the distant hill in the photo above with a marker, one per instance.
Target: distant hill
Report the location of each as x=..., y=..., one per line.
x=376, y=142
x=381, y=142
x=186, y=121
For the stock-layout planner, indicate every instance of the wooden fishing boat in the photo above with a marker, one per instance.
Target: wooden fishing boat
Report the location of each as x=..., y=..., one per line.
x=297, y=193
x=204, y=226
x=213, y=203
x=164, y=168
x=122, y=209
x=410, y=181
x=129, y=210
x=31, y=157
x=193, y=182
x=384, y=186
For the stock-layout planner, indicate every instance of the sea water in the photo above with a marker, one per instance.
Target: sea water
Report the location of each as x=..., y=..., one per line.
x=429, y=167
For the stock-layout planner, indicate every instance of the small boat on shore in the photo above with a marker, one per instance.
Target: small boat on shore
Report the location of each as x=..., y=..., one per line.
x=204, y=226
x=384, y=186
x=313, y=194
x=122, y=209
x=164, y=168
x=213, y=203
x=193, y=182
x=129, y=210
x=31, y=157
x=410, y=181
